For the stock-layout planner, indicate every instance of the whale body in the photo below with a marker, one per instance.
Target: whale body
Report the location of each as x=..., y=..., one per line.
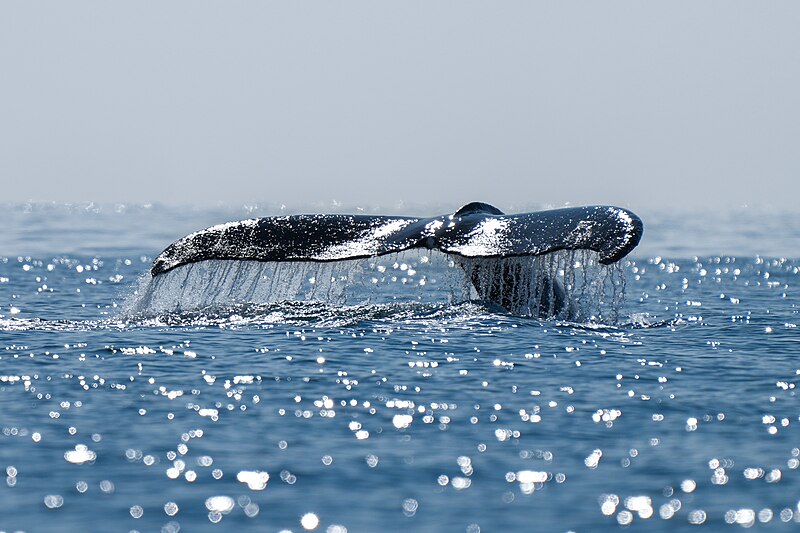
x=475, y=231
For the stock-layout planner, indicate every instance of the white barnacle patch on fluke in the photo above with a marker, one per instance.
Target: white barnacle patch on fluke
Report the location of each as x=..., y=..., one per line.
x=488, y=238
x=626, y=222
x=368, y=243
x=432, y=227
x=582, y=234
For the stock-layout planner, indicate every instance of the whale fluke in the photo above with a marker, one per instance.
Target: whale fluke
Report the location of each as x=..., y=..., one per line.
x=474, y=231
x=499, y=253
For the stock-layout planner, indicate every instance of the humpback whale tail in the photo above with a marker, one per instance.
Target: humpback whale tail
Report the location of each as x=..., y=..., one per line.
x=491, y=247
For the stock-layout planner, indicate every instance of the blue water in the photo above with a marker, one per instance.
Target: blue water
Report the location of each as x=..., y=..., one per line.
x=396, y=415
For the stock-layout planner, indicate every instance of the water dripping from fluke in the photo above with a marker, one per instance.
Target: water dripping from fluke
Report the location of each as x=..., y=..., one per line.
x=565, y=285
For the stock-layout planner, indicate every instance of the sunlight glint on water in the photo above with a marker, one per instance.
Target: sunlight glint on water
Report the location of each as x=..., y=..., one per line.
x=441, y=414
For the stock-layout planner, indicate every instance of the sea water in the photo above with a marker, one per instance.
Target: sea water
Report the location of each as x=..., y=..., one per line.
x=394, y=405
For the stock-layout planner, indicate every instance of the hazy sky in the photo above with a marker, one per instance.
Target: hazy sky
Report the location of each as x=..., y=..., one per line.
x=637, y=103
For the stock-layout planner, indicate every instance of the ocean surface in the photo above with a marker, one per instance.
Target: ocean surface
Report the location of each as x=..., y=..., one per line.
x=395, y=405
